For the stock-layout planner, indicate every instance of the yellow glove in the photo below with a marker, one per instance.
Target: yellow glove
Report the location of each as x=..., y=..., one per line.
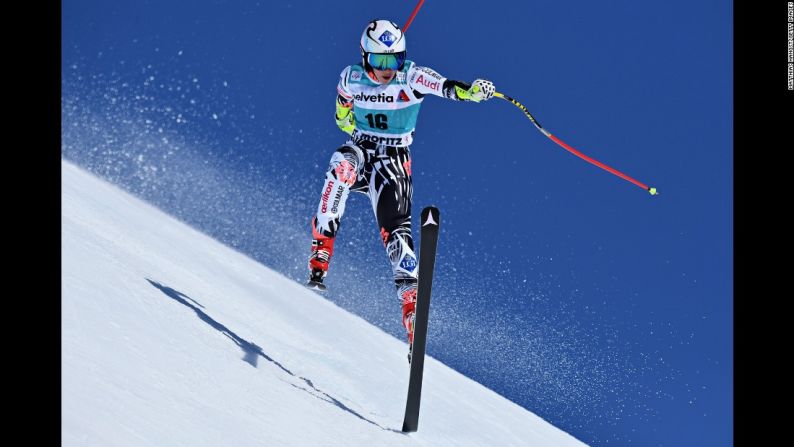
x=480, y=90
x=344, y=117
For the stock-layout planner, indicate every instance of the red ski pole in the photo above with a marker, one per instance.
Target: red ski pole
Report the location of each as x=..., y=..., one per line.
x=413, y=14
x=584, y=157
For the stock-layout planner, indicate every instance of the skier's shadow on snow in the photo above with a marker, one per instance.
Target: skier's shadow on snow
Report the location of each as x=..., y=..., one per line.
x=252, y=352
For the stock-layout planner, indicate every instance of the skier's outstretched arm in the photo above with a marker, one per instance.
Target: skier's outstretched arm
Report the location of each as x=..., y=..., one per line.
x=424, y=80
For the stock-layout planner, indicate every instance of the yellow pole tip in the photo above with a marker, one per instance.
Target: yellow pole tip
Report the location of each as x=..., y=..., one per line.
x=653, y=191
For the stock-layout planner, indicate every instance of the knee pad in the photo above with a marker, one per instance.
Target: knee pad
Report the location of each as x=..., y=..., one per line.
x=345, y=164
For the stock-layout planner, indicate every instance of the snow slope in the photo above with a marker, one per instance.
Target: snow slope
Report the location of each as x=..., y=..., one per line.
x=170, y=338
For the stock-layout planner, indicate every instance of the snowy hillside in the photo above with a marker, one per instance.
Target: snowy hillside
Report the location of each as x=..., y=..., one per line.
x=170, y=338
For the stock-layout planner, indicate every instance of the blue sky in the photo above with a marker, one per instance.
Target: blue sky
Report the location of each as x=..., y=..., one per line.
x=604, y=310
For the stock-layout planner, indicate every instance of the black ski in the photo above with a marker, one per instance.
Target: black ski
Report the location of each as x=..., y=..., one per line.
x=427, y=259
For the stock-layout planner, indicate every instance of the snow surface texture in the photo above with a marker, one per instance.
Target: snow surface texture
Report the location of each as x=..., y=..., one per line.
x=171, y=338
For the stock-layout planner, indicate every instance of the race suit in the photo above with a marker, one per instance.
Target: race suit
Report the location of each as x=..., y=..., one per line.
x=376, y=160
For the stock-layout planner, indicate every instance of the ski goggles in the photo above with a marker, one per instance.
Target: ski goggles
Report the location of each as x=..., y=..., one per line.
x=391, y=61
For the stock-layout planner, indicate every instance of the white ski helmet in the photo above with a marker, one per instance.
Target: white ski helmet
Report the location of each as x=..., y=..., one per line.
x=382, y=37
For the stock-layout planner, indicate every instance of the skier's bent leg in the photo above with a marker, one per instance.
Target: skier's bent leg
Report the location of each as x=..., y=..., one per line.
x=342, y=174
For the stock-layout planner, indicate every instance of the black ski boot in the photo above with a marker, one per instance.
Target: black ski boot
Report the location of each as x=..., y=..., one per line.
x=316, y=280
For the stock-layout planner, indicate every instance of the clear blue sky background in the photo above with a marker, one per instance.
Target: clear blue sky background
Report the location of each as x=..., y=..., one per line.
x=574, y=293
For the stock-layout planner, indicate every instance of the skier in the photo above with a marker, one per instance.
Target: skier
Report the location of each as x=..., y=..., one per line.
x=377, y=105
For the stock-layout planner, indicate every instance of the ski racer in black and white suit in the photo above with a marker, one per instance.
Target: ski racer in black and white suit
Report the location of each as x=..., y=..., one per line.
x=378, y=104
